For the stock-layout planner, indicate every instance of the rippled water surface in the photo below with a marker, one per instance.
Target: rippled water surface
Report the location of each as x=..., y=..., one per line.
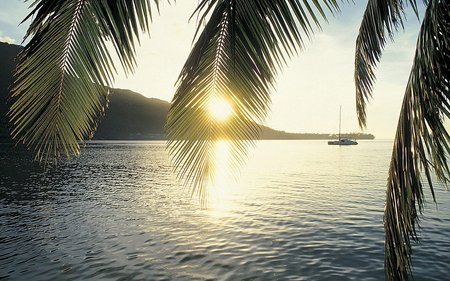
x=300, y=210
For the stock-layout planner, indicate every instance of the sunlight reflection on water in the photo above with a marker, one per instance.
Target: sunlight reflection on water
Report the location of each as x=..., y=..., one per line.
x=222, y=185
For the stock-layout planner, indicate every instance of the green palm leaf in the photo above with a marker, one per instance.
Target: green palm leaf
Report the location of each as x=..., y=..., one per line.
x=380, y=21
x=60, y=87
x=236, y=58
x=421, y=143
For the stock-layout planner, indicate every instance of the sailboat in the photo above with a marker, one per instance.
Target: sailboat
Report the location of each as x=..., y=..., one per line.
x=342, y=141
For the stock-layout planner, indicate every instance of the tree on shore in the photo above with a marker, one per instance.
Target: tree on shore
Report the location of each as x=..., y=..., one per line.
x=65, y=70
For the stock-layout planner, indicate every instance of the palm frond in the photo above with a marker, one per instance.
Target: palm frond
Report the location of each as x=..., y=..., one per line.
x=381, y=20
x=236, y=57
x=421, y=143
x=60, y=87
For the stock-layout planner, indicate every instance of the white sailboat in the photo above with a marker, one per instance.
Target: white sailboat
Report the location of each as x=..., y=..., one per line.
x=342, y=141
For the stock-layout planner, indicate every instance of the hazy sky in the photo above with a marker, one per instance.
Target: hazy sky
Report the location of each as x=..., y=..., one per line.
x=309, y=90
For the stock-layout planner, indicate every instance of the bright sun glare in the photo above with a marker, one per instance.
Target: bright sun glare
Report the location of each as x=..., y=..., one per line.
x=219, y=108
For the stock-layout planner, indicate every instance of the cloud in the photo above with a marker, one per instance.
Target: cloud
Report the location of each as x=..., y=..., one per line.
x=7, y=39
x=11, y=15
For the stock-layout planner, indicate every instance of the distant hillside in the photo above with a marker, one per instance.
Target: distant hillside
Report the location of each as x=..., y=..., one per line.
x=130, y=116
x=271, y=134
x=7, y=65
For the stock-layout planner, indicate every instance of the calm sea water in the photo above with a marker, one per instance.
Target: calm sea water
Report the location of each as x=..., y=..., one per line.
x=299, y=210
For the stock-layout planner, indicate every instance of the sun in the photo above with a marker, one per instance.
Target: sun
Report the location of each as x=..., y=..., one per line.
x=219, y=108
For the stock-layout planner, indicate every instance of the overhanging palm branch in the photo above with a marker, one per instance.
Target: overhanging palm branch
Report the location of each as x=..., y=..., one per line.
x=421, y=142
x=236, y=58
x=60, y=87
x=381, y=20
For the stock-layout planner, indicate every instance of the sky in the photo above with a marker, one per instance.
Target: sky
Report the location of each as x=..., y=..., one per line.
x=308, y=92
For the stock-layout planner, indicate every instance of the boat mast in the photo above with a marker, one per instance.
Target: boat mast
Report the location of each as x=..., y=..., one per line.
x=340, y=109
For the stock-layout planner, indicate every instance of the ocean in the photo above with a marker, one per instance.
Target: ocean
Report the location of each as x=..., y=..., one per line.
x=296, y=210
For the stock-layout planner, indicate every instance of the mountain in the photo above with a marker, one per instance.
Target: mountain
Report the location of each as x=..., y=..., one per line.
x=129, y=116
x=271, y=134
x=8, y=53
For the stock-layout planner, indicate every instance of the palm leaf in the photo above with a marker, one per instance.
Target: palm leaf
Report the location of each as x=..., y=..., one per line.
x=381, y=20
x=421, y=143
x=60, y=88
x=236, y=57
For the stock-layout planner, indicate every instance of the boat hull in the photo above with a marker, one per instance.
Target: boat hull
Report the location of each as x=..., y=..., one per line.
x=343, y=142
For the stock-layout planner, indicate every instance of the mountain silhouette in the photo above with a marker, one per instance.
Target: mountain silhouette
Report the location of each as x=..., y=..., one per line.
x=130, y=115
